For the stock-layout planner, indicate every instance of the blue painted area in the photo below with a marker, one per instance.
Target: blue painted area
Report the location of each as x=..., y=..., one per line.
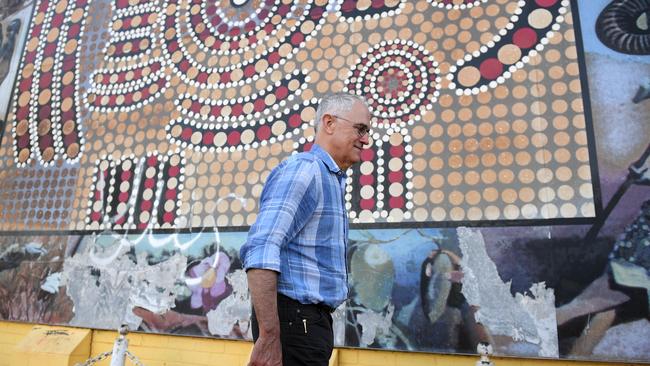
x=407, y=248
x=192, y=245
x=589, y=11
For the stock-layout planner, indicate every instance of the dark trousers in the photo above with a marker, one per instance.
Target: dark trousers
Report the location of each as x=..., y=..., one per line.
x=305, y=332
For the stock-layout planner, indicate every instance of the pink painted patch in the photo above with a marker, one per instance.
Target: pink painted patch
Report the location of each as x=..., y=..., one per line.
x=366, y=180
x=263, y=133
x=396, y=202
x=367, y=154
x=491, y=68
x=524, y=38
x=234, y=137
x=367, y=204
x=546, y=3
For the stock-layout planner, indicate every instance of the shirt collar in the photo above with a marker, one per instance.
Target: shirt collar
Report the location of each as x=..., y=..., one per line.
x=327, y=159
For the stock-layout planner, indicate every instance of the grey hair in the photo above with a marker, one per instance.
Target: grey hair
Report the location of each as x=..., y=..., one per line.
x=337, y=104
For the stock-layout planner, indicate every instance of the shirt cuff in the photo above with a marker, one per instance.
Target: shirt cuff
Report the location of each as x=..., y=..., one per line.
x=263, y=257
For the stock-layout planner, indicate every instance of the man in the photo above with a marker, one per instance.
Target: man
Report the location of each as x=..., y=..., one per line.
x=295, y=252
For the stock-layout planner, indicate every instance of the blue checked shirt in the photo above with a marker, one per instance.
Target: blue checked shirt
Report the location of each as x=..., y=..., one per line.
x=301, y=230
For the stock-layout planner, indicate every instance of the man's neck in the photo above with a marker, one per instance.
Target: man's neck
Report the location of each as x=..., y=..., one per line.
x=331, y=151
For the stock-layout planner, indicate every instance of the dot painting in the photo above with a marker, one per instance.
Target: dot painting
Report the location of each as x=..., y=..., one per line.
x=137, y=115
x=45, y=118
x=136, y=193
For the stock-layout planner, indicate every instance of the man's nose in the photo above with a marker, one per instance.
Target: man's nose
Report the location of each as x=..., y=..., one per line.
x=365, y=139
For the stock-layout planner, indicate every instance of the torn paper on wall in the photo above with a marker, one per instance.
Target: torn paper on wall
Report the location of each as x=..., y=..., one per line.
x=105, y=292
x=523, y=317
x=234, y=309
x=375, y=325
x=338, y=325
x=51, y=284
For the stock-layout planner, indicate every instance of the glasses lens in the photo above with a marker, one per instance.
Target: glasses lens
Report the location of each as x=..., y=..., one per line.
x=363, y=130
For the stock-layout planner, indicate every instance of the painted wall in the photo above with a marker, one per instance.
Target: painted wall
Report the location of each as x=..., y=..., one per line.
x=503, y=196
x=163, y=350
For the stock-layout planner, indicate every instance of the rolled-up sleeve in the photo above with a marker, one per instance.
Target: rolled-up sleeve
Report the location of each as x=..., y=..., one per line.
x=286, y=204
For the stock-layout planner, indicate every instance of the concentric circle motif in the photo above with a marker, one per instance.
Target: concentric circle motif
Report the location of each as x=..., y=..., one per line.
x=623, y=26
x=45, y=112
x=354, y=10
x=212, y=45
x=132, y=31
x=216, y=125
x=528, y=31
x=131, y=78
x=233, y=22
x=451, y=4
x=268, y=41
x=136, y=192
x=395, y=77
x=127, y=88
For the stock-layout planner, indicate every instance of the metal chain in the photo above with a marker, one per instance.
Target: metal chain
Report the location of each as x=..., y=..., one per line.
x=133, y=359
x=94, y=360
x=102, y=356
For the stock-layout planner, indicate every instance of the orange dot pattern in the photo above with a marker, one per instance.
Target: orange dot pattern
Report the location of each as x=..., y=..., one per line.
x=37, y=198
x=44, y=113
x=526, y=34
x=235, y=90
x=136, y=193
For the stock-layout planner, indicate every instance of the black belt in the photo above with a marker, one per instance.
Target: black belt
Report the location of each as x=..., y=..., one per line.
x=283, y=299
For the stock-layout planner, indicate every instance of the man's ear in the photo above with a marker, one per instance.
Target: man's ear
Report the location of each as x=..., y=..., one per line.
x=328, y=123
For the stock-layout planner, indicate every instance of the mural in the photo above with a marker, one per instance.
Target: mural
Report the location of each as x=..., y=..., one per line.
x=478, y=110
x=504, y=196
x=14, y=18
x=426, y=298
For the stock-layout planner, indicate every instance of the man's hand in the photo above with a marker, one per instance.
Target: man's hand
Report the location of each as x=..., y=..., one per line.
x=268, y=347
x=267, y=351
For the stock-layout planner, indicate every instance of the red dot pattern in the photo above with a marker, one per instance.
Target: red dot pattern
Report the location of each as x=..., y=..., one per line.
x=99, y=195
x=398, y=75
x=129, y=48
x=120, y=178
x=108, y=100
x=123, y=4
x=236, y=109
x=395, y=176
x=47, y=87
x=233, y=134
x=351, y=8
x=226, y=44
x=522, y=35
x=129, y=23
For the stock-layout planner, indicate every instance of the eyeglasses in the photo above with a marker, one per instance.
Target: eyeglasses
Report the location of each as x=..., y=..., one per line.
x=361, y=128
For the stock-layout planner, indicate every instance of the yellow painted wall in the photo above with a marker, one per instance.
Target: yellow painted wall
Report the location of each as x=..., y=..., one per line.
x=164, y=350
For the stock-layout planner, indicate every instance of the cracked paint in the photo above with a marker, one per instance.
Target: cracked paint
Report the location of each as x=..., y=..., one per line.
x=523, y=317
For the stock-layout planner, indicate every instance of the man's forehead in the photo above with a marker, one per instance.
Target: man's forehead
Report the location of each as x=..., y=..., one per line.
x=360, y=109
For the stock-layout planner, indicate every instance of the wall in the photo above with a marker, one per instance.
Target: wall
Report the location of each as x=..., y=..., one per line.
x=503, y=195
x=154, y=350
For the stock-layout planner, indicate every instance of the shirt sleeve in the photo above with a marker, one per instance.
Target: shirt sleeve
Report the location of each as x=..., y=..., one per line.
x=286, y=204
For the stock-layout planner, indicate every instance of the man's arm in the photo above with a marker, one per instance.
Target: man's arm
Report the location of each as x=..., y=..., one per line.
x=263, y=285
x=283, y=207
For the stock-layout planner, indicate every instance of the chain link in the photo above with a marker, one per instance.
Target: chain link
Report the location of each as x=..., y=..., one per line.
x=94, y=360
x=133, y=359
x=102, y=356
